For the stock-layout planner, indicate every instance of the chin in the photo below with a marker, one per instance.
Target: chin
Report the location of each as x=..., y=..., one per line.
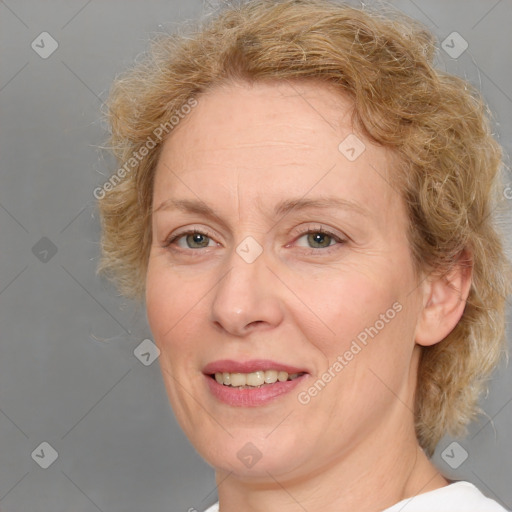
x=254, y=455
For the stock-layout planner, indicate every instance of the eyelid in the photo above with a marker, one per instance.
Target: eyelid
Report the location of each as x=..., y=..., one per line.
x=188, y=231
x=318, y=228
x=303, y=230
x=341, y=240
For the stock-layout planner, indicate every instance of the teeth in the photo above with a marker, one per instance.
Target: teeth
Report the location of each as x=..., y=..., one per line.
x=270, y=376
x=254, y=379
x=238, y=379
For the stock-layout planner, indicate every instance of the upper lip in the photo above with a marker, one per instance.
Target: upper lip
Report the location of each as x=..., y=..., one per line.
x=254, y=365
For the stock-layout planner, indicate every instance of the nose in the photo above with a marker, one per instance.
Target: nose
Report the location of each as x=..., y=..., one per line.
x=246, y=298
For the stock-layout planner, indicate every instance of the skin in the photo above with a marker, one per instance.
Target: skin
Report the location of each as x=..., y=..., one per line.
x=244, y=149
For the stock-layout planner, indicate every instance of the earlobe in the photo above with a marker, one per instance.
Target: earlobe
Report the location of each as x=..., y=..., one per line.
x=444, y=300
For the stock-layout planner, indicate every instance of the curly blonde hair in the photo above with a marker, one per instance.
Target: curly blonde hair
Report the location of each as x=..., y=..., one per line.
x=436, y=123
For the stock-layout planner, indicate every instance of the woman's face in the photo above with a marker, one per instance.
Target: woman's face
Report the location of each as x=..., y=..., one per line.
x=279, y=245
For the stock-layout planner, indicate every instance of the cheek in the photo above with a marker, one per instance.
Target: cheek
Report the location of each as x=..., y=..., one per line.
x=168, y=321
x=370, y=328
x=348, y=301
x=157, y=303
x=175, y=309
x=166, y=301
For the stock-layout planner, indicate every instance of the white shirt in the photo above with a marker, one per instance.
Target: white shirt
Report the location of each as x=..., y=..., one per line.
x=457, y=497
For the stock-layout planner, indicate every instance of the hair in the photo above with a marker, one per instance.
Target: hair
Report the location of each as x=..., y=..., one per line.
x=435, y=123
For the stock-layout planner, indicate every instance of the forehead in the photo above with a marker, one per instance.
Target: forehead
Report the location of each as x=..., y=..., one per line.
x=269, y=141
x=272, y=116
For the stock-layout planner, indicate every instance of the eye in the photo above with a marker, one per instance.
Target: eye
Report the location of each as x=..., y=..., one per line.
x=191, y=240
x=318, y=239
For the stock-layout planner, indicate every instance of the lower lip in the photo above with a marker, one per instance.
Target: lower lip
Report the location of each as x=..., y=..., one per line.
x=251, y=397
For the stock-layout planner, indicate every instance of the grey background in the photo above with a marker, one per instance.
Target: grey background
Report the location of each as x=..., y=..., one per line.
x=68, y=375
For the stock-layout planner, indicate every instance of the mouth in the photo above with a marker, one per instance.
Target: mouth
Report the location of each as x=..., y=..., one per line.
x=251, y=383
x=254, y=380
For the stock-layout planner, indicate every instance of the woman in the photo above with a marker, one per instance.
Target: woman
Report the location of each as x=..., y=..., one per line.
x=306, y=205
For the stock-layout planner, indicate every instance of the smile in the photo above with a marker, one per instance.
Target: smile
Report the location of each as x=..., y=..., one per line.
x=251, y=383
x=254, y=379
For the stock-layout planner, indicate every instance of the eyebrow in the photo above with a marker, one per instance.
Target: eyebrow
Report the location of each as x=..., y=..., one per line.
x=281, y=209
x=186, y=206
x=285, y=207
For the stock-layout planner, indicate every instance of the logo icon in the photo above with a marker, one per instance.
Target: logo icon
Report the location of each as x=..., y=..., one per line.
x=454, y=455
x=249, y=455
x=44, y=45
x=249, y=249
x=44, y=250
x=454, y=45
x=146, y=352
x=351, y=147
x=45, y=455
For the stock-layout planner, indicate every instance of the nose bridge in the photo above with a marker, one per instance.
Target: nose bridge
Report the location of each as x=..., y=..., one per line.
x=244, y=296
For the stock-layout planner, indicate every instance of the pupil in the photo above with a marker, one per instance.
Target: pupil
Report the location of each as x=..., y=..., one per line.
x=319, y=239
x=197, y=240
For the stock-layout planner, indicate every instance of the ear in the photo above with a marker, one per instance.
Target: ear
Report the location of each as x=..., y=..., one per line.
x=444, y=300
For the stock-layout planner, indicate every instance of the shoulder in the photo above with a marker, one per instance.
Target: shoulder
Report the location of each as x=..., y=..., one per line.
x=457, y=497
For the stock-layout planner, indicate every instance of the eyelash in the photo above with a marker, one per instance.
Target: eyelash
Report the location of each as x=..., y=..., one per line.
x=306, y=231
x=321, y=231
x=173, y=238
